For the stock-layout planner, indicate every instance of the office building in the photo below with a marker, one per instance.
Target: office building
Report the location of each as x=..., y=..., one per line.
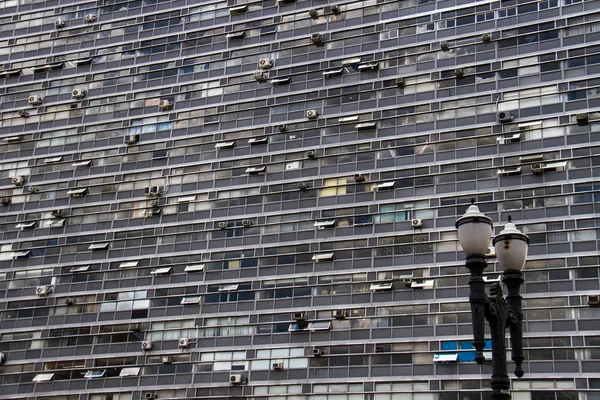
x=256, y=200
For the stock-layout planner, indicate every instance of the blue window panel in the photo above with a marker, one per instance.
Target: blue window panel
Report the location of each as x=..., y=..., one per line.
x=466, y=356
x=450, y=345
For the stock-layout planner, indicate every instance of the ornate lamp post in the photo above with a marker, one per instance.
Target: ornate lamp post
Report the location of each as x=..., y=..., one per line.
x=474, y=232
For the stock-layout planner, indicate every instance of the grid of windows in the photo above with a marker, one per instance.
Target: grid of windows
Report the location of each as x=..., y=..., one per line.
x=201, y=195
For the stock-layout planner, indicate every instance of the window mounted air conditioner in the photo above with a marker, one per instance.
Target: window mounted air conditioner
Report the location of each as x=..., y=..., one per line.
x=131, y=139
x=491, y=252
x=18, y=180
x=303, y=185
x=42, y=290
x=184, y=342
x=278, y=366
x=282, y=128
x=265, y=63
x=299, y=316
x=340, y=314
x=78, y=93
x=459, y=72
x=164, y=104
x=69, y=301
x=152, y=191
x=90, y=18
x=316, y=38
x=235, y=379
x=359, y=178
x=23, y=114
x=311, y=154
x=246, y=223
x=444, y=45
x=313, y=13
x=222, y=225
x=582, y=119
x=594, y=300
x=5, y=201
x=260, y=76
x=316, y=352
x=416, y=223
x=400, y=82
x=146, y=345
x=486, y=37
x=59, y=23
x=35, y=100
x=149, y=395
x=312, y=114
x=166, y=359
x=505, y=117
x=335, y=9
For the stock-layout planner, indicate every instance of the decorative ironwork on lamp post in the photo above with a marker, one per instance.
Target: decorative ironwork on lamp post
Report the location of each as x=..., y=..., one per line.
x=474, y=232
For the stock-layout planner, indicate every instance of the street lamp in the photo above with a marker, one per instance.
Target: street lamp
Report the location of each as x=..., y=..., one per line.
x=474, y=232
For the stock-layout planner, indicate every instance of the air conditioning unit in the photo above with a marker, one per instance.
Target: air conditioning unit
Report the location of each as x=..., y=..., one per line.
x=5, y=201
x=335, y=9
x=166, y=359
x=184, y=342
x=505, y=117
x=486, y=37
x=317, y=352
x=152, y=191
x=459, y=72
x=313, y=13
x=246, y=223
x=278, y=366
x=2, y=358
x=90, y=17
x=339, y=314
x=79, y=93
x=359, y=178
x=311, y=154
x=417, y=223
x=149, y=395
x=594, y=300
x=18, y=180
x=260, y=76
x=222, y=225
x=303, y=185
x=282, y=128
x=131, y=139
x=35, y=100
x=23, y=114
x=69, y=301
x=59, y=23
x=299, y=316
x=316, y=38
x=400, y=82
x=582, y=119
x=146, y=345
x=235, y=379
x=444, y=45
x=56, y=213
x=41, y=290
x=265, y=63
x=312, y=114
x=164, y=104
x=491, y=252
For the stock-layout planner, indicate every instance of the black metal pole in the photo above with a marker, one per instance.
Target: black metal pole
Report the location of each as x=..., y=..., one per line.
x=500, y=314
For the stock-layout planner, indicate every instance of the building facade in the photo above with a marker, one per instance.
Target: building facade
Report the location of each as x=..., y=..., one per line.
x=256, y=199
